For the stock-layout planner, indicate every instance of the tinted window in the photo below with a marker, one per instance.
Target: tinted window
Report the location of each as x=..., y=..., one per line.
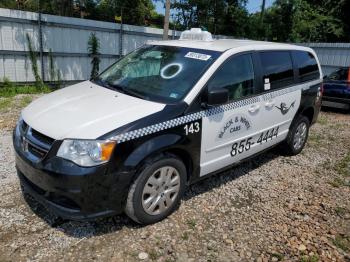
x=307, y=65
x=339, y=75
x=277, y=69
x=236, y=75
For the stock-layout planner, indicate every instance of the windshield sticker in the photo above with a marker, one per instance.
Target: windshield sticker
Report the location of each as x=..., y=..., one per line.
x=171, y=70
x=174, y=95
x=198, y=56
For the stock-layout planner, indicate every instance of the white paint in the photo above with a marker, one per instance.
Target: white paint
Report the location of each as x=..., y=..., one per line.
x=85, y=111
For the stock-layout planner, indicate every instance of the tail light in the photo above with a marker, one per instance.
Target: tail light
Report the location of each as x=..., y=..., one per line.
x=322, y=88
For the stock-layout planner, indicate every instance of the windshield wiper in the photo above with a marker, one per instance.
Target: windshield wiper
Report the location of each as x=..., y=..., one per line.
x=129, y=92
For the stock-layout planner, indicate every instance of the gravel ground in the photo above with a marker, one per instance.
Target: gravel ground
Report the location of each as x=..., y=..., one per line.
x=269, y=209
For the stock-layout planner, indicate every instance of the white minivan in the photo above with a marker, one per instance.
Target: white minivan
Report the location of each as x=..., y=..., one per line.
x=162, y=117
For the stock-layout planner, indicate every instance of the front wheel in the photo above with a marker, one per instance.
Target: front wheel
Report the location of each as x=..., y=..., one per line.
x=297, y=136
x=157, y=191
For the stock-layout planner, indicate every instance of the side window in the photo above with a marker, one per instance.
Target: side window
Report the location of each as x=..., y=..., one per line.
x=236, y=75
x=277, y=69
x=307, y=66
x=339, y=75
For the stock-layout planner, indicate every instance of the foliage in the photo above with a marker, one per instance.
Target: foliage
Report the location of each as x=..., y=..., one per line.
x=9, y=89
x=52, y=67
x=285, y=20
x=34, y=62
x=93, y=48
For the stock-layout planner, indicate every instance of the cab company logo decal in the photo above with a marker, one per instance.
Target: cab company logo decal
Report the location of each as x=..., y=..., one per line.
x=234, y=125
x=283, y=107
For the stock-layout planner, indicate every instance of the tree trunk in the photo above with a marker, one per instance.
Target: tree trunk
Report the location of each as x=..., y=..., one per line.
x=166, y=20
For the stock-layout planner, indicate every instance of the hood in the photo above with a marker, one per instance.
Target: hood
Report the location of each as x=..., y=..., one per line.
x=85, y=111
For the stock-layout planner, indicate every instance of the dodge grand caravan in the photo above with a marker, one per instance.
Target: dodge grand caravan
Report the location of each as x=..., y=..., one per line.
x=162, y=117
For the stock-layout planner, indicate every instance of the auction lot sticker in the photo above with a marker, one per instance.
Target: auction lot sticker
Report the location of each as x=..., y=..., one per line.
x=198, y=56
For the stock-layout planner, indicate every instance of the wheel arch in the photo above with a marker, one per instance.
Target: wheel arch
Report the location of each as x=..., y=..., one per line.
x=158, y=146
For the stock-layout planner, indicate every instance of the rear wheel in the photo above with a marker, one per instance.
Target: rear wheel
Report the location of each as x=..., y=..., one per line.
x=157, y=191
x=297, y=136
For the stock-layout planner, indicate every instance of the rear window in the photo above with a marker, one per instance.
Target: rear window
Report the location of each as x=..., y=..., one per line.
x=307, y=66
x=339, y=75
x=277, y=69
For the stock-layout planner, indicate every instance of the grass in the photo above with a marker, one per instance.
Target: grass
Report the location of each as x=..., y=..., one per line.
x=5, y=103
x=12, y=90
x=342, y=242
x=343, y=166
x=315, y=138
x=26, y=101
x=322, y=120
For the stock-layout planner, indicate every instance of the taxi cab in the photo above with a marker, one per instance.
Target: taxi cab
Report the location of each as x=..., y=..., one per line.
x=164, y=116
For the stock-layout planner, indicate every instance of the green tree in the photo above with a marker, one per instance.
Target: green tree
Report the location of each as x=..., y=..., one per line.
x=93, y=48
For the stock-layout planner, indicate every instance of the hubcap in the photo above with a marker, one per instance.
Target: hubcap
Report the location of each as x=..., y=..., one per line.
x=300, y=136
x=161, y=190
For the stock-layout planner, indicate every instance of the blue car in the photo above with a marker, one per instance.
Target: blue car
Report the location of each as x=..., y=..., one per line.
x=337, y=89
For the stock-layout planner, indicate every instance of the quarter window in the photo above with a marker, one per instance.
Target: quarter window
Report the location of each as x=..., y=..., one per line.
x=307, y=66
x=339, y=75
x=236, y=75
x=277, y=69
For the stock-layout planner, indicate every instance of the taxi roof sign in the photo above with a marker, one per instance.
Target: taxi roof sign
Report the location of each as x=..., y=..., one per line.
x=196, y=34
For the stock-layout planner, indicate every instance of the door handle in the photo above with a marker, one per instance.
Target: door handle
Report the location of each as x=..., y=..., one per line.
x=254, y=108
x=269, y=104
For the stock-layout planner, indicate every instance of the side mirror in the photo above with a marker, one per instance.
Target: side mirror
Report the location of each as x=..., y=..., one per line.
x=217, y=97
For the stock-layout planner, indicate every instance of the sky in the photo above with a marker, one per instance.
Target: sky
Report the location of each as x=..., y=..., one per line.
x=252, y=6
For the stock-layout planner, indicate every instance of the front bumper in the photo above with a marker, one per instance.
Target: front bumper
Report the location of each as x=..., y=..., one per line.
x=70, y=191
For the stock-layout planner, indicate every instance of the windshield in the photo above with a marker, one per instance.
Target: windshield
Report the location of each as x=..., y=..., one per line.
x=159, y=73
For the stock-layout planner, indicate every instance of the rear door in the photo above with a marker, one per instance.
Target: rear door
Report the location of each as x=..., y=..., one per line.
x=280, y=96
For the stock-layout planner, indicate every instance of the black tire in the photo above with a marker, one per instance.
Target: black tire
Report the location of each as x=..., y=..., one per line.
x=289, y=147
x=134, y=205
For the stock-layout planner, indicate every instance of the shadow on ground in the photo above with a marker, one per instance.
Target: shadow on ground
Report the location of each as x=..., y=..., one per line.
x=113, y=224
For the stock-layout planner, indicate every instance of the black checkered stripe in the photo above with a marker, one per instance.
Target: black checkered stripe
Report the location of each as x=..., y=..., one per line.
x=131, y=135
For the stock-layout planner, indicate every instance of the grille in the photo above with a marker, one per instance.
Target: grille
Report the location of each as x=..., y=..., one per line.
x=36, y=151
x=24, y=126
x=35, y=144
x=42, y=138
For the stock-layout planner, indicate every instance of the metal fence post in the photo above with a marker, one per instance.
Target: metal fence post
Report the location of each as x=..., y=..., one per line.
x=41, y=45
x=121, y=34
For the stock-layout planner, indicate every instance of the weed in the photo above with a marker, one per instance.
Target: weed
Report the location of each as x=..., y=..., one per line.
x=315, y=138
x=184, y=236
x=322, y=120
x=343, y=166
x=191, y=223
x=279, y=256
x=313, y=258
x=341, y=211
x=153, y=255
x=337, y=182
x=342, y=242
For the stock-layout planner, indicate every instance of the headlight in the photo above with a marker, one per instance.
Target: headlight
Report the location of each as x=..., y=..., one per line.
x=86, y=152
